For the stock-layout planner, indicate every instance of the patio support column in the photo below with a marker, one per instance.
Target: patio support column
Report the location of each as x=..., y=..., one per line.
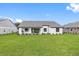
x=30, y=30
x=20, y=31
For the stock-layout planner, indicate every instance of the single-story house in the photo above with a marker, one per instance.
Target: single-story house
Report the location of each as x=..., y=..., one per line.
x=71, y=28
x=40, y=27
x=7, y=26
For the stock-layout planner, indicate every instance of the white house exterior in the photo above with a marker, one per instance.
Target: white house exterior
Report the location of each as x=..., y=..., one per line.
x=40, y=27
x=6, y=26
x=51, y=30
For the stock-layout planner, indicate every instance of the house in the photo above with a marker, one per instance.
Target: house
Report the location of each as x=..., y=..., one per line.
x=7, y=26
x=71, y=28
x=40, y=27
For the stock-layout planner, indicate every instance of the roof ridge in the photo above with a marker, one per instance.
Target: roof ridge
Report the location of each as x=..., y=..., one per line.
x=3, y=19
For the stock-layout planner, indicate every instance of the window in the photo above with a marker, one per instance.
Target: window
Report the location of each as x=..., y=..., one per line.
x=71, y=29
x=36, y=30
x=26, y=29
x=45, y=29
x=57, y=29
x=4, y=30
x=78, y=28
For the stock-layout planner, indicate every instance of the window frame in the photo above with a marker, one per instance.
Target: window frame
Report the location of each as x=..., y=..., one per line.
x=45, y=29
x=57, y=29
x=26, y=29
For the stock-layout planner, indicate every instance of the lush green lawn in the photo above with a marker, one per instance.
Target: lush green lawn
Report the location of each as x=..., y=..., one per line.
x=39, y=45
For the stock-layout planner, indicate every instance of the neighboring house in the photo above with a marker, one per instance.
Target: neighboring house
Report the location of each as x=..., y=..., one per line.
x=71, y=28
x=7, y=26
x=40, y=27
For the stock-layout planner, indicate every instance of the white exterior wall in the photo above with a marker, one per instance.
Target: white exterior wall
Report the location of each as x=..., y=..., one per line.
x=61, y=30
x=22, y=31
x=6, y=30
x=49, y=30
x=42, y=30
x=53, y=31
x=27, y=32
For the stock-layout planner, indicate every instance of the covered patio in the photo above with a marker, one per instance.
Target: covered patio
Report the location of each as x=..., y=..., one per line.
x=32, y=30
x=35, y=30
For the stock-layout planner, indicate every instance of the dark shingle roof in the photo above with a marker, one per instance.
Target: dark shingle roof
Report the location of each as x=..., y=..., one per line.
x=74, y=24
x=38, y=24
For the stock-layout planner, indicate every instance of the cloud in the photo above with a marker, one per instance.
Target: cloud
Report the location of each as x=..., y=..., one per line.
x=12, y=19
x=9, y=18
x=3, y=17
x=73, y=7
x=19, y=20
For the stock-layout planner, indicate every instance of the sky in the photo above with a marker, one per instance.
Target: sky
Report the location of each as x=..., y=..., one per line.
x=61, y=13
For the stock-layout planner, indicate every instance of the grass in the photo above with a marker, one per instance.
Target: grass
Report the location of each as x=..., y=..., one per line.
x=39, y=45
